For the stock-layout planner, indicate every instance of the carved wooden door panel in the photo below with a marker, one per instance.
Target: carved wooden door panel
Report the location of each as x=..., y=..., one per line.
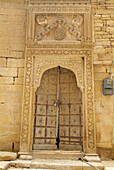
x=58, y=116
x=70, y=116
x=45, y=119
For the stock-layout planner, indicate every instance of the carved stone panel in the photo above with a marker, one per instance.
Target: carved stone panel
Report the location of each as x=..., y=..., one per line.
x=56, y=24
x=59, y=27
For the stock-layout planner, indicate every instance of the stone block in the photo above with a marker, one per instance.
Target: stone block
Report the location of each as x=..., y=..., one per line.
x=18, y=81
x=99, y=50
x=99, y=24
x=19, y=47
x=15, y=63
x=103, y=43
x=8, y=140
x=106, y=16
x=110, y=22
x=97, y=28
x=21, y=163
x=8, y=72
x=6, y=80
x=92, y=158
x=4, y=165
x=88, y=167
x=105, y=57
x=99, y=69
x=97, y=76
x=98, y=95
x=3, y=62
x=25, y=157
x=98, y=86
x=5, y=146
x=13, y=97
x=20, y=72
x=110, y=29
x=11, y=88
x=7, y=156
x=112, y=43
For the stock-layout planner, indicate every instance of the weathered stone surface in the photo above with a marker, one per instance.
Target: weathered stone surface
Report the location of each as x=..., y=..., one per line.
x=15, y=63
x=6, y=80
x=25, y=157
x=18, y=81
x=8, y=72
x=92, y=158
x=7, y=156
x=2, y=62
x=21, y=163
x=4, y=165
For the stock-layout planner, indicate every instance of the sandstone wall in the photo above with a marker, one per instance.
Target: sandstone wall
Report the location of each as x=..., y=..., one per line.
x=12, y=45
x=103, y=55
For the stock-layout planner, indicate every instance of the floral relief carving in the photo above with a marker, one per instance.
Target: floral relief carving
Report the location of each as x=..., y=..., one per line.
x=74, y=64
x=90, y=107
x=26, y=104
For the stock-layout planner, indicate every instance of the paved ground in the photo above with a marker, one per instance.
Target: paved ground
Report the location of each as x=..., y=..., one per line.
x=109, y=165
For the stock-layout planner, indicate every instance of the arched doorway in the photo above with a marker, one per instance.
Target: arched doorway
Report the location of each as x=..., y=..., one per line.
x=58, y=114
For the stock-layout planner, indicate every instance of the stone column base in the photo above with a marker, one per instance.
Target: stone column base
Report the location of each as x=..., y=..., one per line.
x=25, y=155
x=92, y=158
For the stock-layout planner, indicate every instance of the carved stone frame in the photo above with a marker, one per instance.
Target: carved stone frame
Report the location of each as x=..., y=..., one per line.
x=37, y=61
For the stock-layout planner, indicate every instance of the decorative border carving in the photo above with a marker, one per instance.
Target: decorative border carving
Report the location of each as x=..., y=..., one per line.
x=59, y=9
x=61, y=52
x=43, y=64
x=75, y=65
x=26, y=101
x=90, y=107
x=58, y=1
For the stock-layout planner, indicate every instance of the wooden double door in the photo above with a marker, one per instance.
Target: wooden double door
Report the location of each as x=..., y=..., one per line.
x=58, y=115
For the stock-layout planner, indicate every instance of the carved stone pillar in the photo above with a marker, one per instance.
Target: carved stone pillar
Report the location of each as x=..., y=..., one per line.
x=26, y=108
x=89, y=90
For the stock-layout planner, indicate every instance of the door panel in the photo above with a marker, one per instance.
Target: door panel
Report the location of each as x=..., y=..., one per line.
x=45, y=118
x=70, y=122
x=58, y=111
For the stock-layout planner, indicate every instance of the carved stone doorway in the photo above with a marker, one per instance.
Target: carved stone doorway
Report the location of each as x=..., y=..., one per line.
x=58, y=116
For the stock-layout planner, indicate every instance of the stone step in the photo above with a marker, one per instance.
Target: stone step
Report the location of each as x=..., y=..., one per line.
x=54, y=164
x=12, y=168
x=58, y=154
